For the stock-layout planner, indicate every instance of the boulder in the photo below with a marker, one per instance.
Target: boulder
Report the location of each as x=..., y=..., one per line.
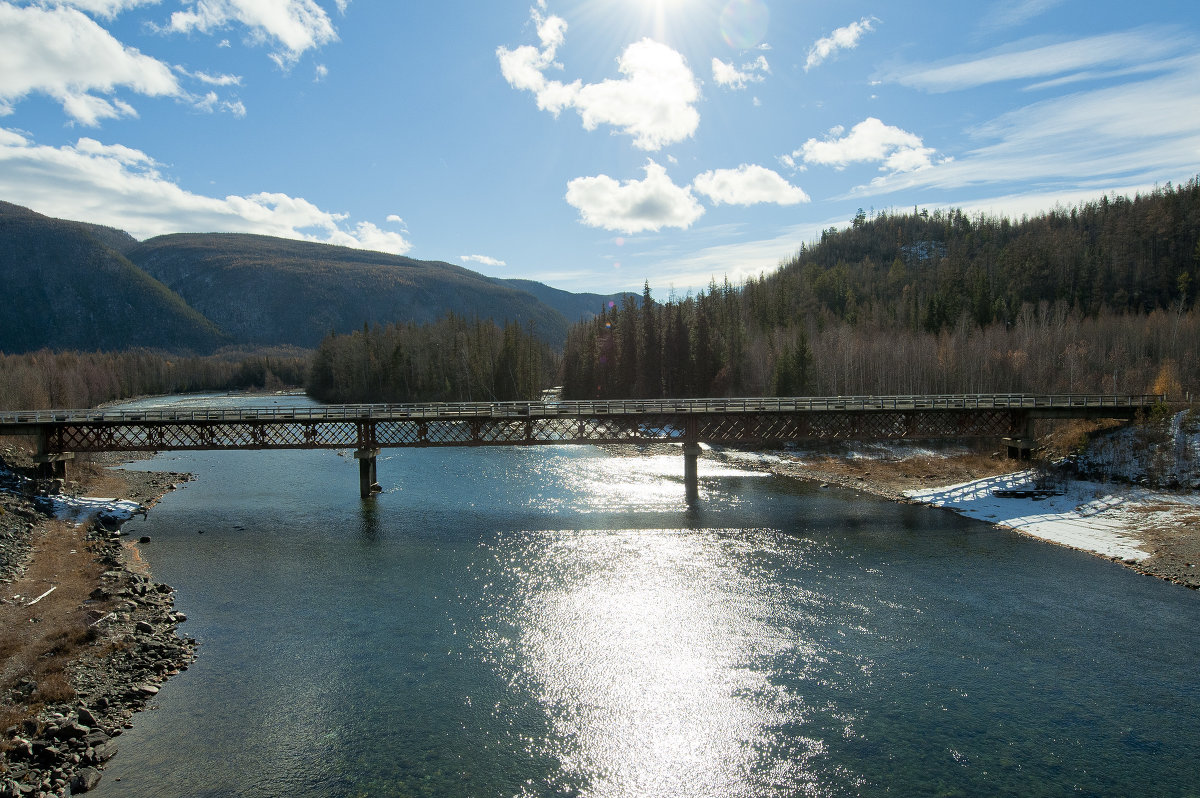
x=85, y=780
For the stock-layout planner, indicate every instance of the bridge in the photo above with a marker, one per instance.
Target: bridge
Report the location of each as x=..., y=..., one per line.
x=60, y=434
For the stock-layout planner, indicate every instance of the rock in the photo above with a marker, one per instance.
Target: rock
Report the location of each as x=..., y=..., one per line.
x=145, y=628
x=104, y=751
x=86, y=717
x=85, y=780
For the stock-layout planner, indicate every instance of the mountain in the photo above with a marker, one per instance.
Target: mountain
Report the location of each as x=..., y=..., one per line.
x=574, y=307
x=267, y=291
x=73, y=285
x=67, y=286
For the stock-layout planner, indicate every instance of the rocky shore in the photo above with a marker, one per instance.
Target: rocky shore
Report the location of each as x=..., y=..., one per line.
x=121, y=635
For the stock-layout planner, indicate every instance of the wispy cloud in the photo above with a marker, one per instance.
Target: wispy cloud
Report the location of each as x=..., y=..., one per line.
x=845, y=38
x=1011, y=13
x=1078, y=139
x=654, y=101
x=1033, y=59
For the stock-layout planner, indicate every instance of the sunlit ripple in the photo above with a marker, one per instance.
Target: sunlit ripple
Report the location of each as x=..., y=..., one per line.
x=640, y=483
x=647, y=649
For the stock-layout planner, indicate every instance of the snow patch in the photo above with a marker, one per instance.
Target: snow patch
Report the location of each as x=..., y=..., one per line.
x=1087, y=516
x=78, y=509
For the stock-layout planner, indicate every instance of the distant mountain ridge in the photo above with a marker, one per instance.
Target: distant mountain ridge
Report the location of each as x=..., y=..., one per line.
x=74, y=285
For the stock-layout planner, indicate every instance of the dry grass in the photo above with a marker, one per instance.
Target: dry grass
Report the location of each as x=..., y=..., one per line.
x=39, y=640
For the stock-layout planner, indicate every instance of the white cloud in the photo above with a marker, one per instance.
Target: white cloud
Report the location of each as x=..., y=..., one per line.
x=1011, y=13
x=634, y=206
x=122, y=187
x=105, y=8
x=845, y=38
x=653, y=102
x=481, y=259
x=294, y=26
x=732, y=77
x=1029, y=60
x=64, y=54
x=870, y=140
x=749, y=184
x=1077, y=140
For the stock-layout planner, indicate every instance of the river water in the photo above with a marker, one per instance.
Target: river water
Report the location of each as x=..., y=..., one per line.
x=555, y=621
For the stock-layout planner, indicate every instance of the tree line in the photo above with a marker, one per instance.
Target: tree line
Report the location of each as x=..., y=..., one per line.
x=47, y=379
x=1094, y=298
x=451, y=360
x=712, y=344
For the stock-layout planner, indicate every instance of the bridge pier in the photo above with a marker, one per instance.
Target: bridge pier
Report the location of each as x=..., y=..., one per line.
x=368, y=482
x=691, y=479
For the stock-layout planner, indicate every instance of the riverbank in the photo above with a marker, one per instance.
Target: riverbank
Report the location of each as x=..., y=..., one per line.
x=1153, y=532
x=86, y=636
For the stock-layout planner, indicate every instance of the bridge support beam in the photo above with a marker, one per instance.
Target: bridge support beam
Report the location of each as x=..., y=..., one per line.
x=691, y=479
x=368, y=482
x=53, y=466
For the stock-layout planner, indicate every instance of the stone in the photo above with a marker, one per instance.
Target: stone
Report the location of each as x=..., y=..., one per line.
x=85, y=780
x=145, y=628
x=86, y=717
x=104, y=752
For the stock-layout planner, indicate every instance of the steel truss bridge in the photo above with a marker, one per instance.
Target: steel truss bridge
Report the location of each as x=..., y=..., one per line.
x=370, y=428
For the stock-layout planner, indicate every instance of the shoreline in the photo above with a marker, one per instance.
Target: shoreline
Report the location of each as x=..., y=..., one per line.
x=1155, y=533
x=120, y=622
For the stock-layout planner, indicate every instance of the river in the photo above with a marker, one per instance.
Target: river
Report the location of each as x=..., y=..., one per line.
x=556, y=621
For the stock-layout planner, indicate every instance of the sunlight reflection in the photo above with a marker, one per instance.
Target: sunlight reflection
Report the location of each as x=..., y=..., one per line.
x=645, y=649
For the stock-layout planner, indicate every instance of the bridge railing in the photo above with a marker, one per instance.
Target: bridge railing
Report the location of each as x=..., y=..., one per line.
x=439, y=410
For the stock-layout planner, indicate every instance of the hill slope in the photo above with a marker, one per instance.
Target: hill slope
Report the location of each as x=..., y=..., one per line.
x=66, y=287
x=264, y=290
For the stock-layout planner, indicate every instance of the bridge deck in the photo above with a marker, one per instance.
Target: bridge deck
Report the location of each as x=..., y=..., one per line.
x=12, y=422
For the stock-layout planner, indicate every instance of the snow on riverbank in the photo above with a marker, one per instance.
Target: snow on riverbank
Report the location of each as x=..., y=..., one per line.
x=1104, y=519
x=78, y=509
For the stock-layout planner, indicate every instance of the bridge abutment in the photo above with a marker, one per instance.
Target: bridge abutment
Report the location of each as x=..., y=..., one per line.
x=368, y=477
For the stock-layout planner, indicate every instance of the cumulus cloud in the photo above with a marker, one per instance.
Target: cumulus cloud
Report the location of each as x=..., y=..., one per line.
x=841, y=39
x=293, y=26
x=634, y=206
x=481, y=259
x=870, y=140
x=732, y=77
x=653, y=101
x=63, y=53
x=749, y=184
x=122, y=187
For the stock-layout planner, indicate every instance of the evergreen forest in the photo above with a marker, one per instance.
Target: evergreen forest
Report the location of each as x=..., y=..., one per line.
x=1098, y=298
x=451, y=360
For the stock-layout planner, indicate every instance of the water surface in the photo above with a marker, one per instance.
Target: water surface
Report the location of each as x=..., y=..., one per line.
x=556, y=621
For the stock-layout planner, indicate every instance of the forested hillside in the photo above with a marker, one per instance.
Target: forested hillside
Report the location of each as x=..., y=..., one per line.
x=66, y=285
x=451, y=360
x=1097, y=298
x=272, y=291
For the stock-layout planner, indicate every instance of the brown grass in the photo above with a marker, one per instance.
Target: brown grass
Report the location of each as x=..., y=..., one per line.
x=38, y=641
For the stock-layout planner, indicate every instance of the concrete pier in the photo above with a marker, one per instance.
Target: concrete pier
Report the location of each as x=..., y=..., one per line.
x=368, y=482
x=691, y=479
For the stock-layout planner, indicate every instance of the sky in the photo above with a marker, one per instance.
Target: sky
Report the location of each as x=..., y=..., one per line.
x=594, y=145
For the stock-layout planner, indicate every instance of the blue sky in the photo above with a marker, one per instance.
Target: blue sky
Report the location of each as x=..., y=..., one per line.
x=589, y=144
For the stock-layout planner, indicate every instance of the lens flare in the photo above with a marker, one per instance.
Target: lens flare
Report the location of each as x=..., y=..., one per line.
x=744, y=23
